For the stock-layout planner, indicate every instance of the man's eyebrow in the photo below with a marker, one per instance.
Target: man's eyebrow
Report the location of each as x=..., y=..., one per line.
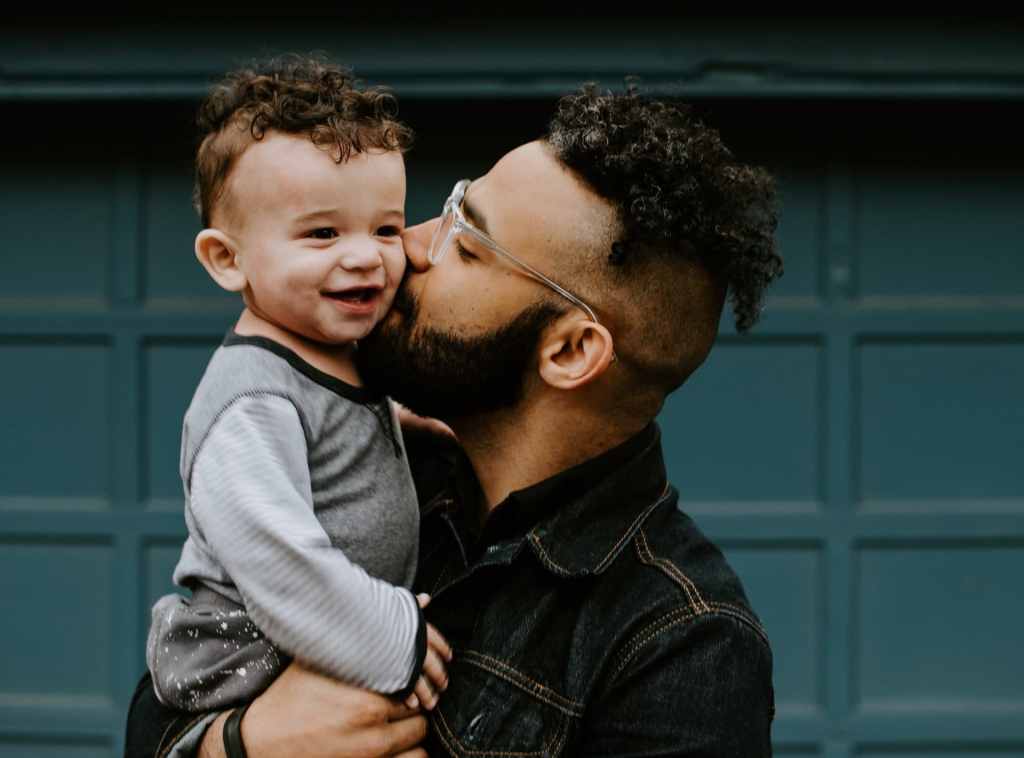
x=474, y=214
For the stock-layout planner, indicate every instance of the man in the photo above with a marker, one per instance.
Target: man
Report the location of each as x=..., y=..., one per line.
x=545, y=316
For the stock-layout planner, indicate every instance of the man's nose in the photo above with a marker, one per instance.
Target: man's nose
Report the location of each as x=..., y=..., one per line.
x=417, y=243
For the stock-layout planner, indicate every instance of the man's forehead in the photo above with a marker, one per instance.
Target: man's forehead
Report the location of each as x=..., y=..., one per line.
x=531, y=196
x=532, y=165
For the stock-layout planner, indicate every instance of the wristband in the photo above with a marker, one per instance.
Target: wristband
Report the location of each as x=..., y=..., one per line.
x=233, y=745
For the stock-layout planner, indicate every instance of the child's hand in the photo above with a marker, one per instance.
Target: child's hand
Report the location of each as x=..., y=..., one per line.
x=434, y=679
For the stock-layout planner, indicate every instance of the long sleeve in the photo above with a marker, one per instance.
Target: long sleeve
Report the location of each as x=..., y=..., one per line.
x=251, y=500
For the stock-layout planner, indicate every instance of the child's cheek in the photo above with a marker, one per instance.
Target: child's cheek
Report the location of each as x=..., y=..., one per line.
x=402, y=260
x=398, y=262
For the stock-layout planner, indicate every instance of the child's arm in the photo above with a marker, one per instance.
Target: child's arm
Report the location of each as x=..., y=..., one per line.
x=251, y=498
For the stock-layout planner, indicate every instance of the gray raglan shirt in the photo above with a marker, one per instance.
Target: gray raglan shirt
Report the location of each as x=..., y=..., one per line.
x=300, y=506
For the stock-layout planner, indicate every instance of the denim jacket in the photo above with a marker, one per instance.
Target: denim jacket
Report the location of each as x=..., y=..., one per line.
x=589, y=616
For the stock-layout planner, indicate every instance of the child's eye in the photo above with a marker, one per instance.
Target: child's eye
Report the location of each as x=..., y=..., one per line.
x=389, y=231
x=323, y=233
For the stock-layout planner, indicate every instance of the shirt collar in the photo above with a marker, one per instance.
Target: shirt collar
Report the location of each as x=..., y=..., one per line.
x=589, y=530
x=578, y=520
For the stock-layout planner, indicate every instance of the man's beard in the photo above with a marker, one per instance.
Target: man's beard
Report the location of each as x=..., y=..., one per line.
x=440, y=374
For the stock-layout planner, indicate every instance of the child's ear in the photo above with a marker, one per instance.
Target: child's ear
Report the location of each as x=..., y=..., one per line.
x=216, y=251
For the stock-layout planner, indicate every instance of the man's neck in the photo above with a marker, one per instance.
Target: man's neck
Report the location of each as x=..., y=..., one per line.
x=511, y=450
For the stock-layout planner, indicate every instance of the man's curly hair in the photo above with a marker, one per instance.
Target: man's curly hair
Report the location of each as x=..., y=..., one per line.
x=292, y=94
x=678, y=189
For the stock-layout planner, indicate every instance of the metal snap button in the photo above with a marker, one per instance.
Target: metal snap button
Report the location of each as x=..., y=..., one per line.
x=473, y=724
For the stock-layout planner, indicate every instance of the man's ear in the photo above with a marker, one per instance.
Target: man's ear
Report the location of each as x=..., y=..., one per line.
x=575, y=352
x=217, y=252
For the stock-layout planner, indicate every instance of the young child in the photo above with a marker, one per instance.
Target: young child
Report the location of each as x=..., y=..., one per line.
x=301, y=513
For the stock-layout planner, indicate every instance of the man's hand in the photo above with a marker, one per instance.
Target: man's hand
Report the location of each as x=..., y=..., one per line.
x=308, y=714
x=434, y=679
x=412, y=422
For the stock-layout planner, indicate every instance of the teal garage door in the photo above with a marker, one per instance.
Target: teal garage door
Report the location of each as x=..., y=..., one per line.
x=859, y=456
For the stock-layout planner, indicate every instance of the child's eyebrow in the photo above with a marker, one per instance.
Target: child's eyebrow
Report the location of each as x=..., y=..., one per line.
x=326, y=212
x=314, y=214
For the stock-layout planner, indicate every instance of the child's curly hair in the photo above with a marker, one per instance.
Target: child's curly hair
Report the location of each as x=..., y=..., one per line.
x=293, y=94
x=677, y=187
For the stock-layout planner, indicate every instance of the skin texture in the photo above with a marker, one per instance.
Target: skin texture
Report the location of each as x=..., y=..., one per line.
x=303, y=228
x=569, y=410
x=305, y=713
x=572, y=386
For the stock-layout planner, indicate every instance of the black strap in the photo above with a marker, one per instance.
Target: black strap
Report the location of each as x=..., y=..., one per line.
x=233, y=745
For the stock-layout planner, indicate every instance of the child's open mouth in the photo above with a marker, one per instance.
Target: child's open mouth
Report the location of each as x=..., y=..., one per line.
x=358, y=299
x=362, y=295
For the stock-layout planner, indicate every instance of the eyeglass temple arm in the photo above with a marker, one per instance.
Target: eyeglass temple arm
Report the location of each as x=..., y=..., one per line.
x=491, y=245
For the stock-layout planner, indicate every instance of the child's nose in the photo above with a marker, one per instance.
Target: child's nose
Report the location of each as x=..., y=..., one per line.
x=360, y=255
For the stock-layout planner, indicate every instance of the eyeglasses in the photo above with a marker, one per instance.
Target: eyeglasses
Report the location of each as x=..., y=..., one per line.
x=453, y=223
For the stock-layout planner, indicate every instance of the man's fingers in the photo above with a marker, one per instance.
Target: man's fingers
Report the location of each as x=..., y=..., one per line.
x=397, y=711
x=325, y=717
x=423, y=599
x=426, y=693
x=394, y=737
x=437, y=641
x=417, y=753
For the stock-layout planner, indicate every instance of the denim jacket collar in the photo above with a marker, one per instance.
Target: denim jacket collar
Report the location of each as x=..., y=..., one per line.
x=575, y=522
x=585, y=534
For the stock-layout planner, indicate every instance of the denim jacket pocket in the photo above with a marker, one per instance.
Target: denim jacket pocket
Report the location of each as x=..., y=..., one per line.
x=491, y=710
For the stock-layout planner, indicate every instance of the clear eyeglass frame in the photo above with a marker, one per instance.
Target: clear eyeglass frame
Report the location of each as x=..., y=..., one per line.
x=454, y=223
